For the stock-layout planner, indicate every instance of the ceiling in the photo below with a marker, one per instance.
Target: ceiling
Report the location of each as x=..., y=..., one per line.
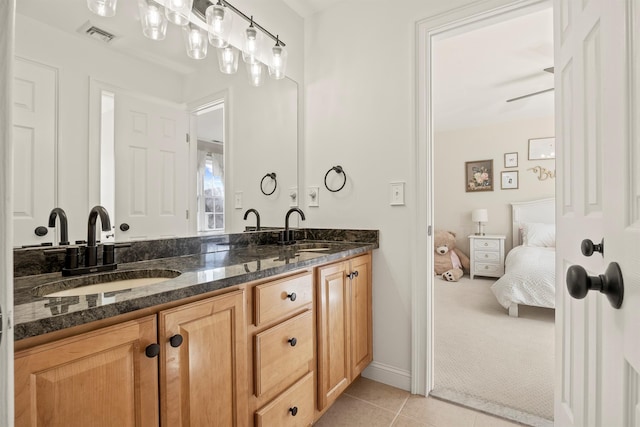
x=475, y=72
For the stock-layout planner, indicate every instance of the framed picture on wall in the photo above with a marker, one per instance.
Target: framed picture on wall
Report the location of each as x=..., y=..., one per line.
x=479, y=175
x=509, y=180
x=542, y=148
x=511, y=160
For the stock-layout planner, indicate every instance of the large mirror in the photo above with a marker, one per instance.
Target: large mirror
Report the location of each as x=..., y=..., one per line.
x=98, y=122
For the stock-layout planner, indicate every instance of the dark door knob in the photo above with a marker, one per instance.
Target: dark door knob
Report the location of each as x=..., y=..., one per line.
x=124, y=226
x=293, y=342
x=588, y=247
x=579, y=283
x=294, y=411
x=175, y=340
x=292, y=296
x=152, y=350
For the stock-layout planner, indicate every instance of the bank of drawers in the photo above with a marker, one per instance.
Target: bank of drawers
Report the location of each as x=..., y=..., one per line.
x=283, y=352
x=487, y=256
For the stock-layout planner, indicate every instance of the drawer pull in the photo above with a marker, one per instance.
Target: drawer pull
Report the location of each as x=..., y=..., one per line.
x=152, y=350
x=175, y=340
x=292, y=341
x=294, y=411
x=292, y=296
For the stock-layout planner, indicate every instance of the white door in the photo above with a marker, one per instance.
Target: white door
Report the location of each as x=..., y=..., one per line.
x=152, y=166
x=34, y=146
x=598, y=196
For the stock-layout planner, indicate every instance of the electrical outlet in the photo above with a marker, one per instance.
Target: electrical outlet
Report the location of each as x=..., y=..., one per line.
x=314, y=196
x=293, y=196
x=237, y=202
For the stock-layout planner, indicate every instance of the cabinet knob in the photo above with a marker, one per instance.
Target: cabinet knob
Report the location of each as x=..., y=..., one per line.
x=175, y=340
x=292, y=296
x=292, y=341
x=294, y=411
x=152, y=350
x=352, y=275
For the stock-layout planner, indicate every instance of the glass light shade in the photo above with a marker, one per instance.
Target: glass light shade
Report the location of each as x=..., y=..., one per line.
x=256, y=73
x=105, y=8
x=177, y=11
x=251, y=45
x=152, y=19
x=219, y=20
x=195, y=40
x=278, y=62
x=228, y=59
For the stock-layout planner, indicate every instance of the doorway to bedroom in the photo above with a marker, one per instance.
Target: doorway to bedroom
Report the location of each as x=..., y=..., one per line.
x=493, y=108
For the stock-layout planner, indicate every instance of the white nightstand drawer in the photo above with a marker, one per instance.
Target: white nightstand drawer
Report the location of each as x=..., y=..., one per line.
x=482, y=268
x=490, y=244
x=484, y=256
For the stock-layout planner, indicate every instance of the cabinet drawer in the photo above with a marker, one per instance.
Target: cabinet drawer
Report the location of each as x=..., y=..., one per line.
x=294, y=407
x=489, y=244
x=274, y=300
x=485, y=256
x=488, y=269
x=283, y=353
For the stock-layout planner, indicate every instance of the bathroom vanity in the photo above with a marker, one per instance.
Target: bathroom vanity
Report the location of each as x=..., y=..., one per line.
x=248, y=334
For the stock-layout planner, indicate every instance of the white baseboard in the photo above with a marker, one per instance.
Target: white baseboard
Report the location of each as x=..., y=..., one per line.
x=389, y=375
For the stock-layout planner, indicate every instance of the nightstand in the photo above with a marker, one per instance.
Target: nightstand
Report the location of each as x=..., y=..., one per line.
x=487, y=255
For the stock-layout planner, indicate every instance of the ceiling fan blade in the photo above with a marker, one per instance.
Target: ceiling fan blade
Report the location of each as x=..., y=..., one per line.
x=530, y=94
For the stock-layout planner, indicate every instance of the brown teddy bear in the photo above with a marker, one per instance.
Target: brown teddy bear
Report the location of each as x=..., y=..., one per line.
x=449, y=261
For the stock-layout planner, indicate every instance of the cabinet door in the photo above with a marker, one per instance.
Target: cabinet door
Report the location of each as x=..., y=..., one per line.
x=101, y=378
x=203, y=380
x=333, y=333
x=361, y=315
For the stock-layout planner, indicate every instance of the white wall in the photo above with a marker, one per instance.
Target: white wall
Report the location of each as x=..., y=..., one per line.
x=360, y=113
x=453, y=205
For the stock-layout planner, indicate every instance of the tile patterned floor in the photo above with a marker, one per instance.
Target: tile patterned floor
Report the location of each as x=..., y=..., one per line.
x=372, y=404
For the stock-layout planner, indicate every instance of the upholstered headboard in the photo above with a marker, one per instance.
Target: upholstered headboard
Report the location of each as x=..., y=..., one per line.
x=542, y=210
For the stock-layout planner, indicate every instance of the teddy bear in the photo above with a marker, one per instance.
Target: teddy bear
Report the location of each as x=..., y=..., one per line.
x=449, y=261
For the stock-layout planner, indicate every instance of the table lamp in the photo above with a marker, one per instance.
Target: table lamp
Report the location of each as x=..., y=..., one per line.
x=480, y=216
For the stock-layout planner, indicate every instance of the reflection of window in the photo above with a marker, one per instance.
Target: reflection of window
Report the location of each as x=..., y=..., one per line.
x=210, y=191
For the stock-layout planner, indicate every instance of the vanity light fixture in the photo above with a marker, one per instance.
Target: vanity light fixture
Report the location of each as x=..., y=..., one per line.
x=228, y=59
x=177, y=11
x=195, y=40
x=152, y=19
x=256, y=73
x=219, y=20
x=278, y=61
x=106, y=8
x=251, y=44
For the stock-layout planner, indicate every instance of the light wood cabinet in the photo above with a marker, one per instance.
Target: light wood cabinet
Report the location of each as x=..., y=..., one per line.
x=345, y=345
x=101, y=378
x=293, y=408
x=203, y=363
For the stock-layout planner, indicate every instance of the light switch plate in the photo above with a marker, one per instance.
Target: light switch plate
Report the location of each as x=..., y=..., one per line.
x=237, y=201
x=293, y=196
x=397, y=193
x=314, y=196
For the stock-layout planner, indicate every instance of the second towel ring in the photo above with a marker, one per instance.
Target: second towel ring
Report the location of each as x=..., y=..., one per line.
x=338, y=169
x=271, y=175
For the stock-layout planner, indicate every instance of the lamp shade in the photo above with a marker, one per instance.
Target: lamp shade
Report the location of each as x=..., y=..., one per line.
x=479, y=215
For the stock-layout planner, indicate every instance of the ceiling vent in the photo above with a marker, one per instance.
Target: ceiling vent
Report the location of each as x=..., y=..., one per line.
x=96, y=33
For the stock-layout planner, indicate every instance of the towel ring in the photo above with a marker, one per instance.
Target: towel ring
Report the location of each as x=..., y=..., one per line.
x=271, y=175
x=337, y=169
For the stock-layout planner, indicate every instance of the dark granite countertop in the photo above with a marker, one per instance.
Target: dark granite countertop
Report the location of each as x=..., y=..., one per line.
x=200, y=273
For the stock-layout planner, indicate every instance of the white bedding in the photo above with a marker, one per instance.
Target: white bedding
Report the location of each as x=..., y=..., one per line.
x=529, y=278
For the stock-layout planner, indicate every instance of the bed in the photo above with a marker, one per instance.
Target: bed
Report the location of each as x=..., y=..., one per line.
x=529, y=276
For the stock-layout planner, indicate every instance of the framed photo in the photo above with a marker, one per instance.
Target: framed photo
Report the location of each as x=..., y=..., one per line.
x=509, y=180
x=511, y=160
x=542, y=148
x=479, y=175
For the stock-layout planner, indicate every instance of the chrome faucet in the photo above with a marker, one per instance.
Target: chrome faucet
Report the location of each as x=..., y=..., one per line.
x=246, y=214
x=64, y=233
x=286, y=238
x=91, y=251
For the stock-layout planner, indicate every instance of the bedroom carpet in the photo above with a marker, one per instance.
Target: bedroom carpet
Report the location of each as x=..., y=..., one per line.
x=488, y=360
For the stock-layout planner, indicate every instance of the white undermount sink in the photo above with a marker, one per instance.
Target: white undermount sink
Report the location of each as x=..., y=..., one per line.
x=106, y=282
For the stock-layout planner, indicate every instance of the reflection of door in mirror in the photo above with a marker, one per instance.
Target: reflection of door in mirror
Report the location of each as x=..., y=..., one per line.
x=151, y=164
x=34, y=130
x=210, y=132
